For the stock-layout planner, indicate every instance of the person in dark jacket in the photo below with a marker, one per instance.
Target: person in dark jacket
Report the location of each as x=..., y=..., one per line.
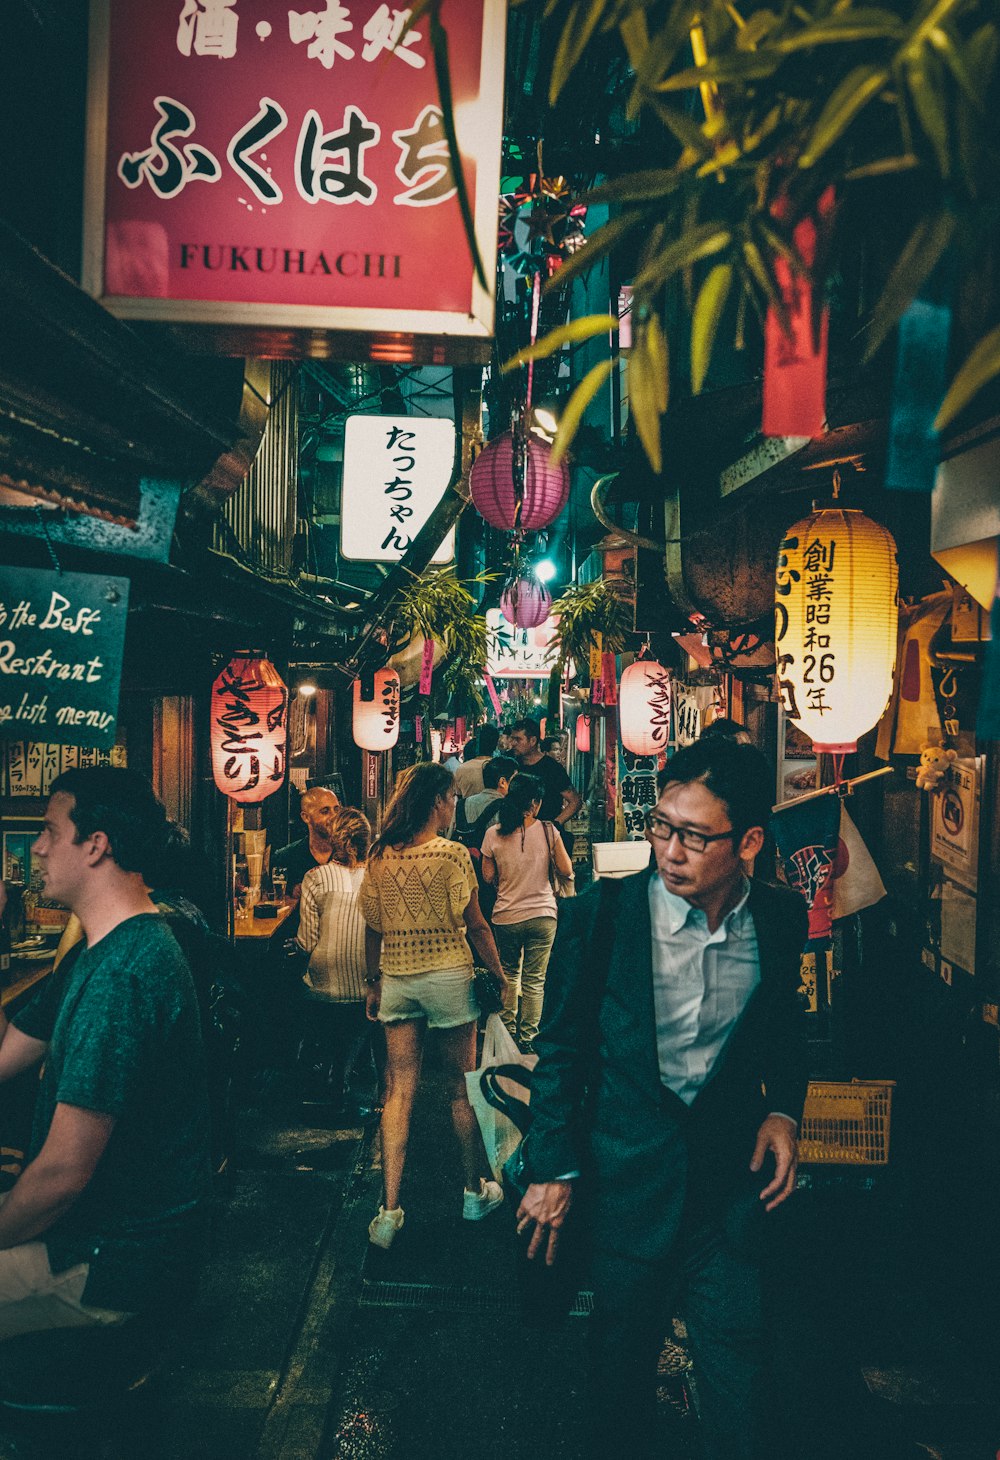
x=666, y=1100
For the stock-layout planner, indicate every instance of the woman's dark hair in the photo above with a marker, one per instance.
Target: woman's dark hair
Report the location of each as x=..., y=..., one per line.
x=723, y=728
x=486, y=739
x=521, y=793
x=351, y=835
x=120, y=803
x=417, y=790
x=738, y=774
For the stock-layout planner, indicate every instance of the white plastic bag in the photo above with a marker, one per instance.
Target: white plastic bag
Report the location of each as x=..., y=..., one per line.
x=500, y=1135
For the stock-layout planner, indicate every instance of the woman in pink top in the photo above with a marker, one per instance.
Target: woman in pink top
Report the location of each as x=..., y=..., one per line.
x=518, y=855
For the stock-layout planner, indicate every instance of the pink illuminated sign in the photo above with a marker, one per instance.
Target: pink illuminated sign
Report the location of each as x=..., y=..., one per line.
x=254, y=164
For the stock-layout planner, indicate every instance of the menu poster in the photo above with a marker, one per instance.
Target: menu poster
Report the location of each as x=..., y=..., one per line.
x=61, y=642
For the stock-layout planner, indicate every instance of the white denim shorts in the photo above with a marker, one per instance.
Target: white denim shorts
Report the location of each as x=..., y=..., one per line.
x=445, y=998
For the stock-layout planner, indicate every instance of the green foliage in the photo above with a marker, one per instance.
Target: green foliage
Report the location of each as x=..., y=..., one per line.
x=583, y=610
x=440, y=606
x=790, y=102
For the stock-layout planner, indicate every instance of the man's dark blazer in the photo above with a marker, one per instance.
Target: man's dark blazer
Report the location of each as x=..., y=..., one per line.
x=598, y=1104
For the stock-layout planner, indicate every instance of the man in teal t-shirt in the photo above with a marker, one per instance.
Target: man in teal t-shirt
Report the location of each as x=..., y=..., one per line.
x=108, y=1216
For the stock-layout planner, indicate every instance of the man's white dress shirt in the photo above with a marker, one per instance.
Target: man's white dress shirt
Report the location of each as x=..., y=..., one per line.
x=702, y=983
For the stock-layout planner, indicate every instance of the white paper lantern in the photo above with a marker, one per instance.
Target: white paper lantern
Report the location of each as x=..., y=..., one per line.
x=644, y=707
x=835, y=625
x=376, y=710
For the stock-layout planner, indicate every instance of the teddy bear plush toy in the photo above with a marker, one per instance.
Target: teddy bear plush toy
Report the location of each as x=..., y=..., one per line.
x=934, y=761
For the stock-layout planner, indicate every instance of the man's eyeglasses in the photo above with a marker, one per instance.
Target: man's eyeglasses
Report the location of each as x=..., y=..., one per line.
x=692, y=841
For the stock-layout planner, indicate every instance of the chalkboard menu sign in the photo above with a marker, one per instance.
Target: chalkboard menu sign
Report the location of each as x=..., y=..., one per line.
x=61, y=642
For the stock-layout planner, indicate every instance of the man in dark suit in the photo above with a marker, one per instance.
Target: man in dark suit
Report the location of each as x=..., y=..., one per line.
x=666, y=1100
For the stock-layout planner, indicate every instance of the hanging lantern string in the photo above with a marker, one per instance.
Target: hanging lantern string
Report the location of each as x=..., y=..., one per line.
x=838, y=769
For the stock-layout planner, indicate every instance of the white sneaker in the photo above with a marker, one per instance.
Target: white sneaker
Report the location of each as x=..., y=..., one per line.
x=478, y=1204
x=383, y=1228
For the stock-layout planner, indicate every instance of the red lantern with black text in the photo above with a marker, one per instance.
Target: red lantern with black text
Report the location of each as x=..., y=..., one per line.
x=644, y=707
x=376, y=710
x=249, y=734
x=496, y=481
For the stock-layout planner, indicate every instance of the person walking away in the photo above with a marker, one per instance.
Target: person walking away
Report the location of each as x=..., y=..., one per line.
x=478, y=754
x=420, y=903
x=109, y=1217
x=518, y=858
x=317, y=809
x=666, y=1098
x=332, y=935
x=560, y=801
x=476, y=813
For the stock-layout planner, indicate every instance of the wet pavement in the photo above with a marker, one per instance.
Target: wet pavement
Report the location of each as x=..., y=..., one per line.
x=306, y=1344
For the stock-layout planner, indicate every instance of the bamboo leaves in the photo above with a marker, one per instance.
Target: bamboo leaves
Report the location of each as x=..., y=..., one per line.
x=708, y=310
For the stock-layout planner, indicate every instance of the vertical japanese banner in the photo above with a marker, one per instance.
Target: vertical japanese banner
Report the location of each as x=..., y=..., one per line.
x=427, y=667
x=611, y=767
x=253, y=165
x=636, y=791
x=396, y=470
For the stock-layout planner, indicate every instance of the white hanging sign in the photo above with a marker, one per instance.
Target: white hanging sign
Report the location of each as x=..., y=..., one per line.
x=396, y=470
x=517, y=653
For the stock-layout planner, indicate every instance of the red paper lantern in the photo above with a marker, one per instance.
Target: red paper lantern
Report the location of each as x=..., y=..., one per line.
x=491, y=483
x=249, y=716
x=376, y=710
x=583, y=734
x=525, y=603
x=644, y=707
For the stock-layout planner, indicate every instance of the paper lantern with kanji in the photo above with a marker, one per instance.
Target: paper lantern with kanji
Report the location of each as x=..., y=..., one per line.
x=583, y=734
x=492, y=485
x=376, y=710
x=835, y=625
x=644, y=707
x=525, y=603
x=249, y=729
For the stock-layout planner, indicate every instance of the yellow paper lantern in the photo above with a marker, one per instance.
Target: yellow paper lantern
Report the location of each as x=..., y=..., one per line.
x=376, y=710
x=835, y=625
x=644, y=707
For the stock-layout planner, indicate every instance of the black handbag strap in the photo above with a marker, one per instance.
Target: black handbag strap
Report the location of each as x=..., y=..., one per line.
x=517, y=1111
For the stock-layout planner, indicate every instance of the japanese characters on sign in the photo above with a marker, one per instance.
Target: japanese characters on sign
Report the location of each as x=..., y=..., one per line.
x=819, y=664
x=254, y=163
x=517, y=653
x=636, y=790
x=396, y=470
x=61, y=642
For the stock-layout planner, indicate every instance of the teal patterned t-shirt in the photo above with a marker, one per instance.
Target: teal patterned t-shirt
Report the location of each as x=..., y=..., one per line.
x=125, y=1039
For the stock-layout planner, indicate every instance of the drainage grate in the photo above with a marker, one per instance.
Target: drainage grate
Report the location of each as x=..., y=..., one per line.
x=442, y=1298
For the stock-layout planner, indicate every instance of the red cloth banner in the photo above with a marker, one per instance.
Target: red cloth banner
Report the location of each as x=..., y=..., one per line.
x=609, y=676
x=427, y=667
x=795, y=364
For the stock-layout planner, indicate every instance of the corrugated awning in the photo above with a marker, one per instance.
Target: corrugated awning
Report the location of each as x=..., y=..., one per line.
x=89, y=406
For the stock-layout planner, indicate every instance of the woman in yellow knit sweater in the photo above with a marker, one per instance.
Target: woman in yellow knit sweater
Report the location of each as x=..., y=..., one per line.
x=420, y=902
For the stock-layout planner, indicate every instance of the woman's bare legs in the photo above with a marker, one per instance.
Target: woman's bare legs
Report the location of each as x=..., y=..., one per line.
x=404, y=1042
x=458, y=1054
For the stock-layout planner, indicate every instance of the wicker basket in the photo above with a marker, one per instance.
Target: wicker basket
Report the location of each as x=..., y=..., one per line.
x=846, y=1125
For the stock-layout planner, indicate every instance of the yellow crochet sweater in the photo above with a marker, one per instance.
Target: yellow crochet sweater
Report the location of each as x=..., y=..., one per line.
x=415, y=897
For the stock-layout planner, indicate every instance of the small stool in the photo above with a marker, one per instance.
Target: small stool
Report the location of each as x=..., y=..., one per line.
x=74, y=1385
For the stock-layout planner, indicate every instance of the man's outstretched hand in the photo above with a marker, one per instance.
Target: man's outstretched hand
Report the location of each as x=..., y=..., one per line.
x=777, y=1134
x=546, y=1204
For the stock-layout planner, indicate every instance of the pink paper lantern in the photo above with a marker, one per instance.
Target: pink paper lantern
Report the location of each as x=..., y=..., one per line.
x=525, y=603
x=583, y=734
x=249, y=729
x=644, y=707
x=491, y=483
x=376, y=710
